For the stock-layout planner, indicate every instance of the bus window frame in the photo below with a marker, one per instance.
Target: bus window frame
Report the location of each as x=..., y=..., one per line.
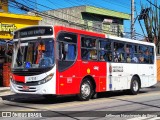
x=106, y=50
x=58, y=61
x=96, y=47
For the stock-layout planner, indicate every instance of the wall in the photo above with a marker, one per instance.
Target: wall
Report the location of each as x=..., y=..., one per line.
x=86, y=18
x=69, y=14
x=11, y=22
x=158, y=69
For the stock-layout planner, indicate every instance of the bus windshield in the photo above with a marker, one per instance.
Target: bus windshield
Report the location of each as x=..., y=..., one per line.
x=33, y=54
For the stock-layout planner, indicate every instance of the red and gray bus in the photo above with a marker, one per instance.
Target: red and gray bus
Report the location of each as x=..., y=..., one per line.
x=57, y=60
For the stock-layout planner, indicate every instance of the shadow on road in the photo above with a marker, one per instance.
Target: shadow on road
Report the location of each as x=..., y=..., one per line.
x=38, y=99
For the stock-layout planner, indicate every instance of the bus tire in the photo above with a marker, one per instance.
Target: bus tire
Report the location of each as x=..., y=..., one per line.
x=86, y=90
x=95, y=95
x=135, y=85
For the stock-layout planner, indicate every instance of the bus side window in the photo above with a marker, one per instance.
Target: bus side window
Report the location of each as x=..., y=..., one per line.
x=119, y=53
x=93, y=55
x=128, y=53
x=88, y=48
x=134, y=54
x=71, y=52
x=67, y=50
x=144, y=54
x=141, y=54
x=85, y=54
x=105, y=53
x=151, y=55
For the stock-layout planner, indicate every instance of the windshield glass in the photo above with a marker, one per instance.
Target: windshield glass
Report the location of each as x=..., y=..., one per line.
x=33, y=54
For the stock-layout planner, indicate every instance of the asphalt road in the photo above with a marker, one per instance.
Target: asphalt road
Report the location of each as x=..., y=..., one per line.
x=125, y=106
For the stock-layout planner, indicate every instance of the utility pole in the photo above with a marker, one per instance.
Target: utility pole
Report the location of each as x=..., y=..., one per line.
x=132, y=19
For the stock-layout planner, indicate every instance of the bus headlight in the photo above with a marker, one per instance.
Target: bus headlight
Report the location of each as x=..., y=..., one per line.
x=13, y=81
x=46, y=79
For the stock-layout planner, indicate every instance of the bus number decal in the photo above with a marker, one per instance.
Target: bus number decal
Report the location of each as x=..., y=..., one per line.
x=29, y=79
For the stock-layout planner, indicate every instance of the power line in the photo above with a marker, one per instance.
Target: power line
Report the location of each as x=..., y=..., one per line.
x=54, y=9
x=20, y=5
x=26, y=8
x=119, y=4
x=26, y=2
x=153, y=4
x=56, y=3
x=13, y=6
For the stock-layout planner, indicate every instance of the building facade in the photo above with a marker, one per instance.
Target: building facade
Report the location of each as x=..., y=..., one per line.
x=11, y=22
x=88, y=18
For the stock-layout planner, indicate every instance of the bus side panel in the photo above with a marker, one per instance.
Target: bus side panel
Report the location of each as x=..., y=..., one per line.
x=120, y=77
x=68, y=81
x=147, y=74
x=122, y=74
x=98, y=71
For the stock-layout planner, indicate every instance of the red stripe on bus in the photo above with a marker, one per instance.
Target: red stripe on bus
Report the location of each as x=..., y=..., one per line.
x=18, y=78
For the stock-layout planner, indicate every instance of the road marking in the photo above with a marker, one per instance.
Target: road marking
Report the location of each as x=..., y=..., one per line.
x=96, y=101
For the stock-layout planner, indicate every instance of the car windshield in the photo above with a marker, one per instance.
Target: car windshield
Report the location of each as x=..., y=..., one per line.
x=33, y=54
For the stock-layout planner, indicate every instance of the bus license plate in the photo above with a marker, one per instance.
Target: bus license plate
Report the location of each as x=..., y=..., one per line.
x=25, y=88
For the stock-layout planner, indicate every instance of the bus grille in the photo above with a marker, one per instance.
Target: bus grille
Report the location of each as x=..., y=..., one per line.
x=31, y=89
x=33, y=83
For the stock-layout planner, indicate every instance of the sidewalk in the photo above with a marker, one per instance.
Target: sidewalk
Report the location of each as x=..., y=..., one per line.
x=4, y=89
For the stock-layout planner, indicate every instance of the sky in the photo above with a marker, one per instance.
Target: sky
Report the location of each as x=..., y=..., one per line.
x=116, y=5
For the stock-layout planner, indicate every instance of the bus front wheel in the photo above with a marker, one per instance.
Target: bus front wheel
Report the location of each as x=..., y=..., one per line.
x=135, y=86
x=86, y=90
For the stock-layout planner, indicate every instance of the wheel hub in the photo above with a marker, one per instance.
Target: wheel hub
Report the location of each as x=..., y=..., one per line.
x=85, y=90
x=135, y=85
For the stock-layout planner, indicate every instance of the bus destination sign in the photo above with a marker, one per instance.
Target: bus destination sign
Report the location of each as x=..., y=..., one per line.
x=33, y=31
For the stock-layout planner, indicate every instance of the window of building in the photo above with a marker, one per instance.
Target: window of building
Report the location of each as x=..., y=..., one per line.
x=97, y=26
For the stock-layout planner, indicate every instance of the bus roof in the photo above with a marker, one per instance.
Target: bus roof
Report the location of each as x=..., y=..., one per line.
x=90, y=33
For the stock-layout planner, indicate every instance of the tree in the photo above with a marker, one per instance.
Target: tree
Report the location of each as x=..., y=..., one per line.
x=151, y=17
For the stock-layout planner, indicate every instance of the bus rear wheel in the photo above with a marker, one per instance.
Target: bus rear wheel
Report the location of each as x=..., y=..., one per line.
x=86, y=90
x=135, y=86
